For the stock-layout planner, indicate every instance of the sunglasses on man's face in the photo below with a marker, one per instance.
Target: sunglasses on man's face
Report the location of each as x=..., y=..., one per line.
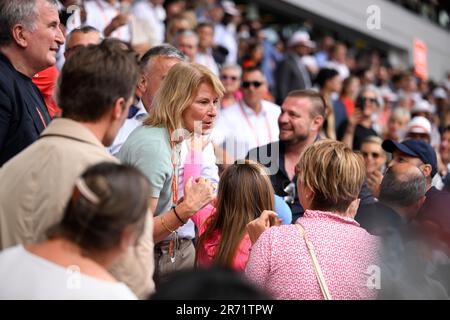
x=247, y=84
x=226, y=77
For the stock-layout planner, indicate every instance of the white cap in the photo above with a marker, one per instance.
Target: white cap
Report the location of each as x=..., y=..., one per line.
x=439, y=93
x=419, y=125
x=423, y=106
x=301, y=37
x=230, y=8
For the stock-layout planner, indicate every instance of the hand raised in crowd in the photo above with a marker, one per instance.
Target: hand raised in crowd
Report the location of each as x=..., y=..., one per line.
x=197, y=194
x=356, y=117
x=266, y=220
x=117, y=22
x=83, y=14
x=374, y=181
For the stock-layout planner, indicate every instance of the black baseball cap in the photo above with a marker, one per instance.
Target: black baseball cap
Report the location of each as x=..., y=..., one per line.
x=414, y=148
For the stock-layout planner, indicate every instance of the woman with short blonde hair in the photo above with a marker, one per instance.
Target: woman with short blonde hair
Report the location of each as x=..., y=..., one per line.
x=282, y=261
x=333, y=173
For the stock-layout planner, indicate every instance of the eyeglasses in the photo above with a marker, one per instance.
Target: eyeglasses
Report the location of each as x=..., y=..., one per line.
x=225, y=77
x=372, y=100
x=372, y=154
x=247, y=84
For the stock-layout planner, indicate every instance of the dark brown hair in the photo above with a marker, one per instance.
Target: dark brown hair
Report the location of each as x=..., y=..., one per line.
x=94, y=78
x=121, y=194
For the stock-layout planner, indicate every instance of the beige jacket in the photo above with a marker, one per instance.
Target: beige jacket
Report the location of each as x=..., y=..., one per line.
x=36, y=184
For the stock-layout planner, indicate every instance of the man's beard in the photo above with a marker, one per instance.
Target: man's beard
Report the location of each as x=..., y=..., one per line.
x=295, y=139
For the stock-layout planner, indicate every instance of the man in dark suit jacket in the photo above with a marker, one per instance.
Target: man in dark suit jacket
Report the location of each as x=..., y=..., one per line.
x=28, y=44
x=292, y=73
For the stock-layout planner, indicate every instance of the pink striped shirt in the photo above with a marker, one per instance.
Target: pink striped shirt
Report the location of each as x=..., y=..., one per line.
x=279, y=261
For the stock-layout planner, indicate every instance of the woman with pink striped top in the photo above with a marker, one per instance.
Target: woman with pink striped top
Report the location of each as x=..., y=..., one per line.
x=330, y=177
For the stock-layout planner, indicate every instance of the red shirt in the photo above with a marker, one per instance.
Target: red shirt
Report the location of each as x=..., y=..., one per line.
x=45, y=80
x=349, y=106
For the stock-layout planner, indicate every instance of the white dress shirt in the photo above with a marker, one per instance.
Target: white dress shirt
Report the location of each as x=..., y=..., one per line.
x=128, y=126
x=238, y=133
x=226, y=39
x=100, y=13
x=207, y=60
x=154, y=15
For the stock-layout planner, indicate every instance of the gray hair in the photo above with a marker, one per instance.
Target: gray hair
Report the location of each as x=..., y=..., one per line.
x=84, y=30
x=375, y=90
x=186, y=33
x=233, y=67
x=402, y=190
x=165, y=50
x=373, y=139
x=401, y=113
x=18, y=12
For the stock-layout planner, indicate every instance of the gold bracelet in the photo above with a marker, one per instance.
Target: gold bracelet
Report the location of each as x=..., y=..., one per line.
x=165, y=225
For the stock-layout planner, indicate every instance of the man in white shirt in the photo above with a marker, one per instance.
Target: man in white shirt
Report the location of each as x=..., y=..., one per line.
x=154, y=13
x=187, y=42
x=110, y=17
x=204, y=55
x=222, y=36
x=251, y=123
x=155, y=64
x=338, y=60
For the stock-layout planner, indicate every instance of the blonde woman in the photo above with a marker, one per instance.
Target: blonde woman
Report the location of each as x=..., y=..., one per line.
x=188, y=98
x=330, y=177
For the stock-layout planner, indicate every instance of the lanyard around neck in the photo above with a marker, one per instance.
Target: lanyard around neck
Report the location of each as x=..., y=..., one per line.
x=252, y=128
x=175, y=167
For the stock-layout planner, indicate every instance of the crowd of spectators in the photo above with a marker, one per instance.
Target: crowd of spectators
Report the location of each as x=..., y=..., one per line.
x=298, y=161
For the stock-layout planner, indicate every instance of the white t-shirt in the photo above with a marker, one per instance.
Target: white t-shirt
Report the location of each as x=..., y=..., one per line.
x=207, y=60
x=154, y=15
x=26, y=276
x=100, y=13
x=238, y=133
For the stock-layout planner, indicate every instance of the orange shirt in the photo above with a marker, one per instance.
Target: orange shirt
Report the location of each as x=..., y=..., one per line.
x=349, y=105
x=45, y=80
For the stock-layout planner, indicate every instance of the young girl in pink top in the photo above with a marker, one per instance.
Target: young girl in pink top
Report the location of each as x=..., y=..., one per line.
x=244, y=193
